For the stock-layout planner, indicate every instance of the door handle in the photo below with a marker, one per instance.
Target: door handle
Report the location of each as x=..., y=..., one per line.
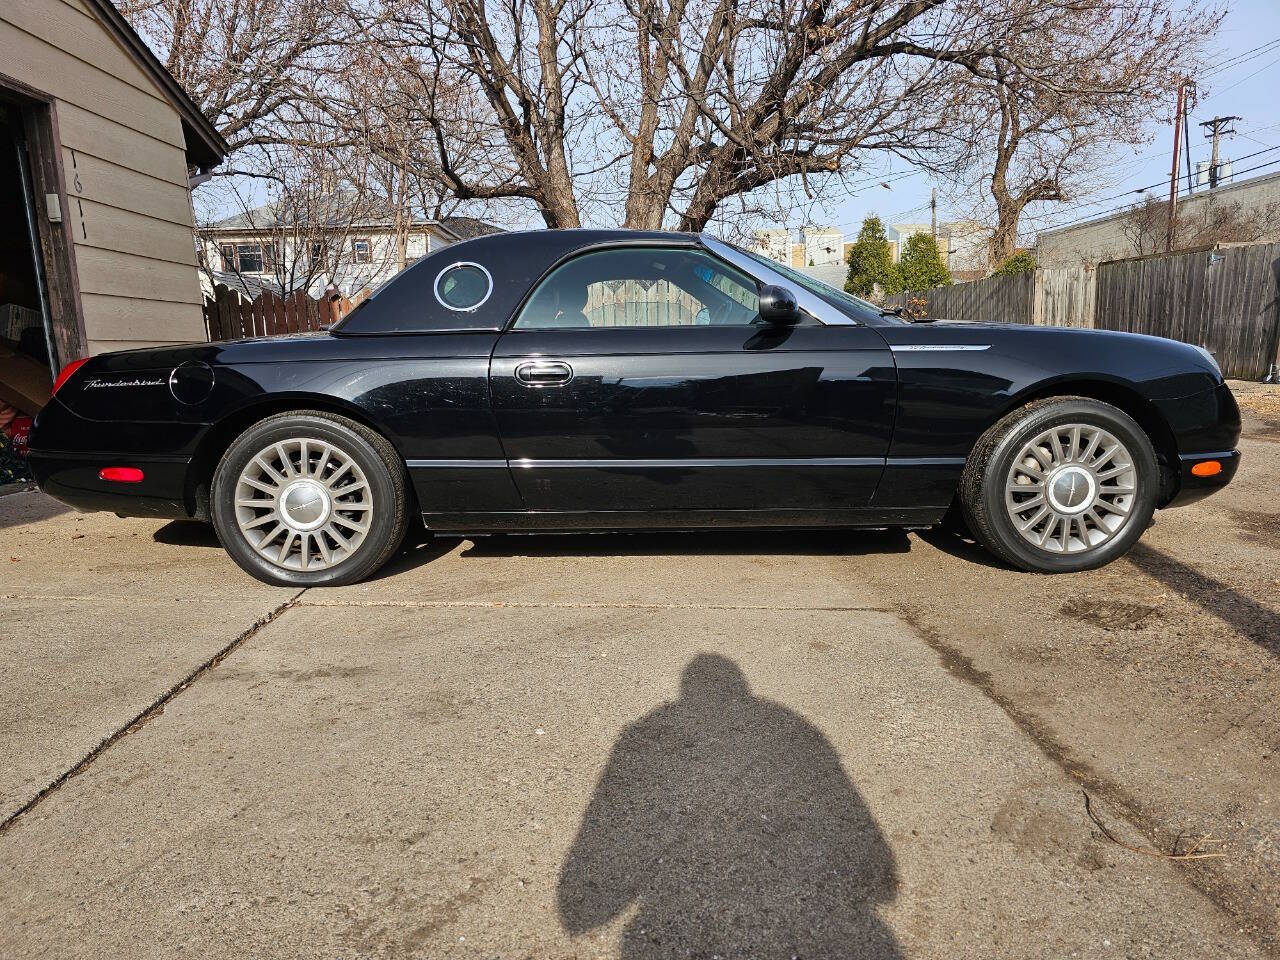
x=544, y=373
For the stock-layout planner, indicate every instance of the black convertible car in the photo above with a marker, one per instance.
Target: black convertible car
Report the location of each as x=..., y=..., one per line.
x=613, y=380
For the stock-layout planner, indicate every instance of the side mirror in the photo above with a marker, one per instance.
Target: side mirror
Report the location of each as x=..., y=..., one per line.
x=778, y=306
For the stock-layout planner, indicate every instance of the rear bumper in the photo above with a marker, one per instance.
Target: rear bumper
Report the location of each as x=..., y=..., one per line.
x=73, y=479
x=67, y=453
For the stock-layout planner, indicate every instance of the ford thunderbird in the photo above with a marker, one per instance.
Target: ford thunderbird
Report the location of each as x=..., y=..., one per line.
x=592, y=380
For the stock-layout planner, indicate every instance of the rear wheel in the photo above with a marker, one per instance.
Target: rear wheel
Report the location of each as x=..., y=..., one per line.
x=309, y=499
x=1063, y=484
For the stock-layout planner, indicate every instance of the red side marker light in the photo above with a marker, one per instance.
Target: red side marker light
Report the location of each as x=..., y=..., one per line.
x=121, y=474
x=66, y=373
x=1207, y=468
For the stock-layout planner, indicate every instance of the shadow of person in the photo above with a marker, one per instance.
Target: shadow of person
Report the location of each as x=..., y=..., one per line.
x=730, y=825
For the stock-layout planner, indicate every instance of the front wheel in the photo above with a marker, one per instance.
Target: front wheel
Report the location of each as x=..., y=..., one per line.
x=309, y=499
x=1063, y=484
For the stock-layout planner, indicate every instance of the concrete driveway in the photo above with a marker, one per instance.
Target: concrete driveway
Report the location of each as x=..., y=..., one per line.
x=819, y=745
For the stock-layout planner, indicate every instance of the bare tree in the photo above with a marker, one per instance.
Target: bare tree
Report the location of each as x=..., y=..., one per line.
x=1040, y=114
x=1202, y=224
x=248, y=64
x=669, y=108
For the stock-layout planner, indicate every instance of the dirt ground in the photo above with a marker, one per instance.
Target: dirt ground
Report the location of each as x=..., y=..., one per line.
x=873, y=744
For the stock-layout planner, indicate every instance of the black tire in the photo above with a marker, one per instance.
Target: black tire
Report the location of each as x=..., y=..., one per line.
x=982, y=485
x=383, y=470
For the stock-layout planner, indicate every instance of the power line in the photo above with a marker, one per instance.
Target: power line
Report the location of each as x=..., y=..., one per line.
x=1242, y=80
x=1103, y=214
x=1237, y=59
x=1162, y=183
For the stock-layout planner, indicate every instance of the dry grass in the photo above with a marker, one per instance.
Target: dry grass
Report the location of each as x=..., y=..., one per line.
x=1260, y=399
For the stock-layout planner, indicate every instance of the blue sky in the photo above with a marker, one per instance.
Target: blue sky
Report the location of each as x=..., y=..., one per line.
x=1249, y=89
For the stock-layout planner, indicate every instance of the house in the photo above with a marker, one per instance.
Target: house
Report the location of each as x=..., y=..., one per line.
x=98, y=143
x=823, y=246
x=818, y=246
x=335, y=241
x=774, y=243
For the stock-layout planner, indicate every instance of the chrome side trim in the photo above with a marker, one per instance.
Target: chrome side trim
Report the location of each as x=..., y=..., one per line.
x=936, y=347
x=621, y=464
x=453, y=464
x=1221, y=455
x=815, y=306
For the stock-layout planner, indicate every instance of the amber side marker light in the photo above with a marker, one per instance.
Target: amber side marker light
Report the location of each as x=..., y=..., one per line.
x=1209, y=468
x=121, y=474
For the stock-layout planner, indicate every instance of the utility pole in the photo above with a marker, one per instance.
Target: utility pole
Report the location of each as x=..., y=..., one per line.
x=1216, y=128
x=1186, y=134
x=933, y=208
x=1173, y=176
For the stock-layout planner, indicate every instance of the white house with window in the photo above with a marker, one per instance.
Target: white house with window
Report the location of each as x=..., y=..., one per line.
x=264, y=249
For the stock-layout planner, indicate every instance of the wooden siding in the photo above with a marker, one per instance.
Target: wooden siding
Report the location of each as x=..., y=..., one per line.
x=124, y=163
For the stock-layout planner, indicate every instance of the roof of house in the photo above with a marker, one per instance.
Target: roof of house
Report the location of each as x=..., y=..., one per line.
x=206, y=148
x=333, y=211
x=250, y=286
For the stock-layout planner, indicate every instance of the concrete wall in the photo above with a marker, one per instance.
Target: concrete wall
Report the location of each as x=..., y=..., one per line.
x=124, y=160
x=1104, y=239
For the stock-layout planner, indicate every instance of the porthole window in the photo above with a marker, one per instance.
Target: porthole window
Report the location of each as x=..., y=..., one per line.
x=463, y=286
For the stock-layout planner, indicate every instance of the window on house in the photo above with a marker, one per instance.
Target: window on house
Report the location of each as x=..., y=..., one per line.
x=249, y=256
x=361, y=251
x=228, y=252
x=317, y=254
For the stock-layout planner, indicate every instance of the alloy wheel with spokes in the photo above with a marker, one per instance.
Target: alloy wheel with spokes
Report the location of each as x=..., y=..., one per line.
x=1071, y=488
x=303, y=504
x=1061, y=484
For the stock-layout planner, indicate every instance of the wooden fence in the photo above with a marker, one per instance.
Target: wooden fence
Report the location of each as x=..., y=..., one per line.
x=993, y=299
x=230, y=315
x=1226, y=299
x=1064, y=297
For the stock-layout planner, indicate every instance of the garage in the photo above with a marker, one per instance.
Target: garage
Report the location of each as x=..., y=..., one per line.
x=99, y=148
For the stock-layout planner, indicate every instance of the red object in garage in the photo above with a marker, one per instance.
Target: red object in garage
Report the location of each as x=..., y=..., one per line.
x=20, y=433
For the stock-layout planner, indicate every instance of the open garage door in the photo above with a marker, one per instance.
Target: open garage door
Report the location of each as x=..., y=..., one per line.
x=40, y=326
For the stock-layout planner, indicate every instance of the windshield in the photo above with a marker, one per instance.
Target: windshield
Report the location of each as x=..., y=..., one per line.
x=861, y=310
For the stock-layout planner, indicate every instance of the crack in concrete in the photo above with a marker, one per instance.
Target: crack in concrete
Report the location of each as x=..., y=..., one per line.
x=91, y=598
x=152, y=710
x=1208, y=878
x=586, y=605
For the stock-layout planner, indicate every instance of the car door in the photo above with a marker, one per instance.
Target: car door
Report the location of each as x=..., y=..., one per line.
x=642, y=378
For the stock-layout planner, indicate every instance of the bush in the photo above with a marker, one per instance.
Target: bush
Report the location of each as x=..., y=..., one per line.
x=1021, y=262
x=870, y=264
x=921, y=264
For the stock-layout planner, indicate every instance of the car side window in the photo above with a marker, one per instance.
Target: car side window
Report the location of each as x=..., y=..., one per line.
x=642, y=287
